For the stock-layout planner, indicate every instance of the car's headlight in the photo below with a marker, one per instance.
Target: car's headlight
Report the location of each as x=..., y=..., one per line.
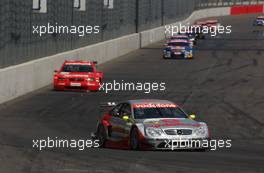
x=90, y=79
x=201, y=131
x=154, y=132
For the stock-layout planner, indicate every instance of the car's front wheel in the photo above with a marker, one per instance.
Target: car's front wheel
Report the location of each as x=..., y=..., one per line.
x=101, y=135
x=134, y=142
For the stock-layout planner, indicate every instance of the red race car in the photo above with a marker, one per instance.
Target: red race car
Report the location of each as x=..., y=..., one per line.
x=200, y=23
x=78, y=76
x=212, y=23
x=208, y=23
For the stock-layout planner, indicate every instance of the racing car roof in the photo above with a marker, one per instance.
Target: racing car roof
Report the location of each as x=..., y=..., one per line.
x=79, y=62
x=200, y=22
x=212, y=21
x=151, y=102
x=260, y=17
x=178, y=41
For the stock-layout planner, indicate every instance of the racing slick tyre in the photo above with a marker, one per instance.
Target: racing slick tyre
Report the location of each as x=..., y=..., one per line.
x=55, y=88
x=134, y=143
x=101, y=136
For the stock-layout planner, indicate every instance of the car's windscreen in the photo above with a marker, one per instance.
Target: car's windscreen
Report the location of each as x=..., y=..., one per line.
x=182, y=44
x=77, y=68
x=146, y=113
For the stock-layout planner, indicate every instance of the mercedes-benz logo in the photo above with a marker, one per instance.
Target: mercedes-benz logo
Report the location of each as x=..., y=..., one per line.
x=179, y=132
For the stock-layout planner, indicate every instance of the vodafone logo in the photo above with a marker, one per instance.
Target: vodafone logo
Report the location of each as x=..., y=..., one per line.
x=150, y=105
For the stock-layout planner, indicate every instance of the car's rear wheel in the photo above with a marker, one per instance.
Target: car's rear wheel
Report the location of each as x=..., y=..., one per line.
x=55, y=88
x=101, y=135
x=134, y=142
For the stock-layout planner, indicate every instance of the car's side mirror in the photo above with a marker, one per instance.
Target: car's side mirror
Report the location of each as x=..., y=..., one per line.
x=192, y=117
x=125, y=118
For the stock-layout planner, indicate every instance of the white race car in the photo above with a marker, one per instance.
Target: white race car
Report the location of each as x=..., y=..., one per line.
x=149, y=124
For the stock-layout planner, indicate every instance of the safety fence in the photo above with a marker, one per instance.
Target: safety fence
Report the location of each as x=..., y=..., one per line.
x=115, y=18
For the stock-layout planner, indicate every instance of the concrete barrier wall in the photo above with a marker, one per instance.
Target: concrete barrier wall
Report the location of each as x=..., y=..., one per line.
x=151, y=36
x=27, y=77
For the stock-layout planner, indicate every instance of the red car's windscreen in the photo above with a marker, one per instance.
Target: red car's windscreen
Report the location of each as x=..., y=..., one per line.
x=77, y=68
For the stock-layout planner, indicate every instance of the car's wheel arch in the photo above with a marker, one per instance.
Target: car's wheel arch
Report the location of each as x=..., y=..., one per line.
x=107, y=128
x=132, y=128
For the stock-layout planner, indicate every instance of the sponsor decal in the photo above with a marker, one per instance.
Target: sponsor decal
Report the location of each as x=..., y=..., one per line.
x=150, y=105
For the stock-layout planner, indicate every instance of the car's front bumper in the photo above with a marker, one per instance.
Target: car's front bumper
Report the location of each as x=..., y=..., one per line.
x=172, y=55
x=76, y=86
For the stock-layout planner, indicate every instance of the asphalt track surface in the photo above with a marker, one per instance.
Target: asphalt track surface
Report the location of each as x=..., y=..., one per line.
x=223, y=85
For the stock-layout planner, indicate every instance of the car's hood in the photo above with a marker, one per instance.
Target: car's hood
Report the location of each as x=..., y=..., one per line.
x=171, y=123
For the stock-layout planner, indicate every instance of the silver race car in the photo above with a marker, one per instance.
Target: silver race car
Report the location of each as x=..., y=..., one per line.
x=149, y=124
